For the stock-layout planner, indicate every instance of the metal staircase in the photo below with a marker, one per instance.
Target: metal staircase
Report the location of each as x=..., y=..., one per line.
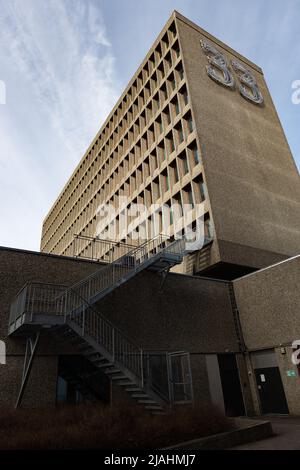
x=71, y=312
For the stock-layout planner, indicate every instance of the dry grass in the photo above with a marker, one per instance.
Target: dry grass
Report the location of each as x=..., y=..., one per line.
x=100, y=427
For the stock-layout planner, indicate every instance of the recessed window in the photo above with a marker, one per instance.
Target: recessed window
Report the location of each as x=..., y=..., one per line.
x=180, y=134
x=199, y=187
x=207, y=226
x=188, y=196
x=190, y=123
x=176, y=106
x=195, y=152
x=170, y=143
x=167, y=116
x=173, y=171
x=184, y=163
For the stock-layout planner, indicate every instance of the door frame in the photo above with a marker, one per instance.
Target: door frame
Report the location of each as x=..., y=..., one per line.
x=185, y=384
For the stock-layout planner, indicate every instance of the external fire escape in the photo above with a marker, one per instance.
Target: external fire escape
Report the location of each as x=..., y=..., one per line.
x=72, y=312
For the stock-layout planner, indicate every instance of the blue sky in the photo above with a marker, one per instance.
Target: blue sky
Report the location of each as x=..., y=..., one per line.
x=65, y=62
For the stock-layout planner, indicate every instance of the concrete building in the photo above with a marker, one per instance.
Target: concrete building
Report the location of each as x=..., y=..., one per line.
x=177, y=136
x=91, y=319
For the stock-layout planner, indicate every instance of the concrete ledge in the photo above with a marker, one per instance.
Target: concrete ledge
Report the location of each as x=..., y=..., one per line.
x=247, y=430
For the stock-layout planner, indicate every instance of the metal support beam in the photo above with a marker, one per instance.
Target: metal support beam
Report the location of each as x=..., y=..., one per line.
x=164, y=274
x=31, y=347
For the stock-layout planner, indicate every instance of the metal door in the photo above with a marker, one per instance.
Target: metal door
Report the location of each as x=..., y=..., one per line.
x=271, y=391
x=180, y=378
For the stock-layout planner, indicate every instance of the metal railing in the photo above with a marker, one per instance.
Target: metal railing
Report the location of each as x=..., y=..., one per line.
x=37, y=298
x=110, y=275
x=97, y=249
x=75, y=303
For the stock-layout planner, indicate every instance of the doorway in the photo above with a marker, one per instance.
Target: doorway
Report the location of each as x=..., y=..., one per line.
x=231, y=386
x=271, y=391
x=269, y=383
x=180, y=378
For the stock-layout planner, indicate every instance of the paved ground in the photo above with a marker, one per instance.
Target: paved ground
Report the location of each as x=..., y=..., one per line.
x=287, y=430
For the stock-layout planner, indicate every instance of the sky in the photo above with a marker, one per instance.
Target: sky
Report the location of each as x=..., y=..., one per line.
x=64, y=63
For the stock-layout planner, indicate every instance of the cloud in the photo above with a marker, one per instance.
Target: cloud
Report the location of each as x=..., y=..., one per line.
x=61, y=75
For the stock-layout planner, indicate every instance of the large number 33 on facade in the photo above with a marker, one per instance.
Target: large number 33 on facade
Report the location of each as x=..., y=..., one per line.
x=218, y=69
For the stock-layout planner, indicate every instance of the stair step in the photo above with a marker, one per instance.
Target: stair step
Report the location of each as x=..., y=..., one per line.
x=132, y=390
x=103, y=366
x=68, y=333
x=119, y=377
x=123, y=384
x=91, y=353
x=113, y=371
x=148, y=402
x=77, y=341
x=139, y=395
x=86, y=347
x=154, y=407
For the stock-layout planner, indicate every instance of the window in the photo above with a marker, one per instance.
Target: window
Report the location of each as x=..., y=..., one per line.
x=172, y=82
x=176, y=106
x=184, y=163
x=146, y=168
x=170, y=143
x=155, y=189
x=176, y=49
x=199, y=187
x=207, y=226
x=155, y=102
x=168, y=60
x=171, y=216
x=167, y=116
x=195, y=152
x=161, y=152
x=185, y=97
x=176, y=175
x=161, y=129
x=188, y=196
x=173, y=173
x=165, y=183
x=190, y=123
x=153, y=160
x=177, y=205
x=180, y=72
x=180, y=134
x=164, y=92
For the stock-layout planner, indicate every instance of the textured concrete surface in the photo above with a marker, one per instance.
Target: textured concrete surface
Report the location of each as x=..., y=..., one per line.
x=16, y=268
x=252, y=181
x=268, y=303
x=287, y=436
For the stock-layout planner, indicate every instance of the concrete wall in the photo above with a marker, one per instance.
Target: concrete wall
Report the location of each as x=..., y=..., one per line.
x=252, y=180
x=16, y=268
x=191, y=314
x=268, y=303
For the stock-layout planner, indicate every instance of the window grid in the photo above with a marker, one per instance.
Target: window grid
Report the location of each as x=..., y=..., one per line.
x=156, y=100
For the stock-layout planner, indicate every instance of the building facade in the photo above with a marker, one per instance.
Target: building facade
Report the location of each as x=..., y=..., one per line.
x=195, y=128
x=90, y=319
x=239, y=335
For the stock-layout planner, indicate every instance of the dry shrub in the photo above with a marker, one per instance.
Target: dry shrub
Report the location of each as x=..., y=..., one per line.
x=103, y=427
